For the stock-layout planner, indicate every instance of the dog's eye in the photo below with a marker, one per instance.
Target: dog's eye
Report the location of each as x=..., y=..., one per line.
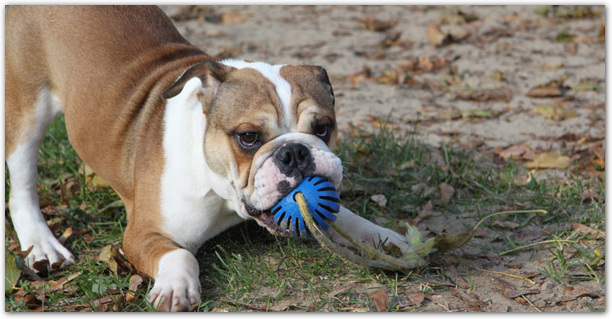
x=249, y=140
x=323, y=131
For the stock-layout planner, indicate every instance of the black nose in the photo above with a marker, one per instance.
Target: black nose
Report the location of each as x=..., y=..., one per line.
x=294, y=158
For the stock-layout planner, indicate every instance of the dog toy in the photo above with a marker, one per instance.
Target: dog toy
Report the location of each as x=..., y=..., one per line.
x=310, y=208
x=322, y=201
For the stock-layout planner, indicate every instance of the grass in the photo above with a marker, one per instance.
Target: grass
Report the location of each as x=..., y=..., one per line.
x=247, y=269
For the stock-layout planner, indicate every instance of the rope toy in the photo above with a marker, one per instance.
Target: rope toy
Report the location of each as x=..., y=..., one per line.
x=310, y=209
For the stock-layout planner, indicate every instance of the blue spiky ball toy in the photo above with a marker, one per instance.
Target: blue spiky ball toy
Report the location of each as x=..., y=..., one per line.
x=322, y=201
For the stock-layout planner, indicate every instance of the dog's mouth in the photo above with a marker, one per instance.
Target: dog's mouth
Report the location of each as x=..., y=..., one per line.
x=265, y=218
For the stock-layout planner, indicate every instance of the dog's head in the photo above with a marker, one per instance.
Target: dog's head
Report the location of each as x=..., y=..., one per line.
x=267, y=127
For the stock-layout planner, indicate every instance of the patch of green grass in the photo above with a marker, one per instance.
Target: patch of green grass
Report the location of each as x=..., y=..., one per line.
x=247, y=269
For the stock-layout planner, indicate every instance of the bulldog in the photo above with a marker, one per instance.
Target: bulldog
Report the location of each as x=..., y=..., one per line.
x=192, y=145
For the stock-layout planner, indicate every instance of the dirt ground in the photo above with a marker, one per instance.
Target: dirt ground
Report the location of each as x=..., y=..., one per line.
x=490, y=78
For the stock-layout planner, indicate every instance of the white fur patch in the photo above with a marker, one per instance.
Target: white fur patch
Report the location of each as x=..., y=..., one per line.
x=193, y=212
x=272, y=73
x=177, y=285
x=27, y=219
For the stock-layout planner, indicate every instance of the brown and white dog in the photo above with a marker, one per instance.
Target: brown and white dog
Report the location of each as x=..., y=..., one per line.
x=192, y=146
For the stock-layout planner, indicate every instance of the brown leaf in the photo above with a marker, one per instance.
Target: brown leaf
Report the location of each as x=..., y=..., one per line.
x=446, y=192
x=106, y=256
x=485, y=95
x=470, y=299
x=91, y=177
x=67, y=233
x=363, y=76
x=103, y=304
x=135, y=281
x=379, y=297
x=112, y=256
x=454, y=276
x=426, y=211
x=554, y=112
x=519, y=151
x=515, y=293
x=416, y=298
x=233, y=17
x=551, y=89
x=23, y=254
x=59, y=284
x=586, y=230
x=589, y=195
x=373, y=24
x=388, y=77
x=340, y=290
x=550, y=160
x=436, y=37
x=458, y=17
x=511, y=291
x=283, y=305
x=505, y=224
x=32, y=303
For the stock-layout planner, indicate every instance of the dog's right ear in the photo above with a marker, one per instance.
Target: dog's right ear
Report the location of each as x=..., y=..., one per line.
x=211, y=73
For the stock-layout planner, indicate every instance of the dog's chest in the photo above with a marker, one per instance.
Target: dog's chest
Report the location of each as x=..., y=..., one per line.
x=191, y=211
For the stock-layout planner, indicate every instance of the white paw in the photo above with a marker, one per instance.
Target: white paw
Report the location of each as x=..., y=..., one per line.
x=45, y=248
x=177, y=285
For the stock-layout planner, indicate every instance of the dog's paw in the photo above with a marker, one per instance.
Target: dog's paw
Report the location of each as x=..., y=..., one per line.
x=177, y=286
x=47, y=252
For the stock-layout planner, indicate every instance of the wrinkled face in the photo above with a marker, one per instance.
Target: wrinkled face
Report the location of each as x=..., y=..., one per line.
x=269, y=127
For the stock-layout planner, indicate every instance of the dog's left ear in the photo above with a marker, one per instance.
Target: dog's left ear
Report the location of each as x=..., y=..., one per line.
x=321, y=74
x=211, y=73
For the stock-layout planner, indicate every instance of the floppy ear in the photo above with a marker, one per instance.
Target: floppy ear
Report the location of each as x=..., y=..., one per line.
x=211, y=73
x=321, y=74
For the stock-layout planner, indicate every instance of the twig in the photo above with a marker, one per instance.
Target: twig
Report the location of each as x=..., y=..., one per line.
x=538, y=243
x=530, y=303
x=509, y=275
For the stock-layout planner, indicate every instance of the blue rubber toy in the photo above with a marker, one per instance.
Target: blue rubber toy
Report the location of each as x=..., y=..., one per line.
x=322, y=201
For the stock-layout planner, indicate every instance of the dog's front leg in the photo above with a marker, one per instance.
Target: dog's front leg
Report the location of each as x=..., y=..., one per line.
x=365, y=231
x=175, y=270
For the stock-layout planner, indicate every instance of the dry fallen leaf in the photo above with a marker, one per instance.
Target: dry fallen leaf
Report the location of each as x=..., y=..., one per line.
x=233, y=17
x=550, y=160
x=416, y=298
x=135, y=281
x=427, y=211
x=91, y=177
x=373, y=24
x=379, y=297
x=519, y=151
x=554, y=112
x=551, y=89
x=505, y=224
x=436, y=37
x=379, y=199
x=586, y=230
x=589, y=195
x=469, y=298
x=446, y=192
x=112, y=256
x=67, y=233
x=485, y=95
x=458, y=17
